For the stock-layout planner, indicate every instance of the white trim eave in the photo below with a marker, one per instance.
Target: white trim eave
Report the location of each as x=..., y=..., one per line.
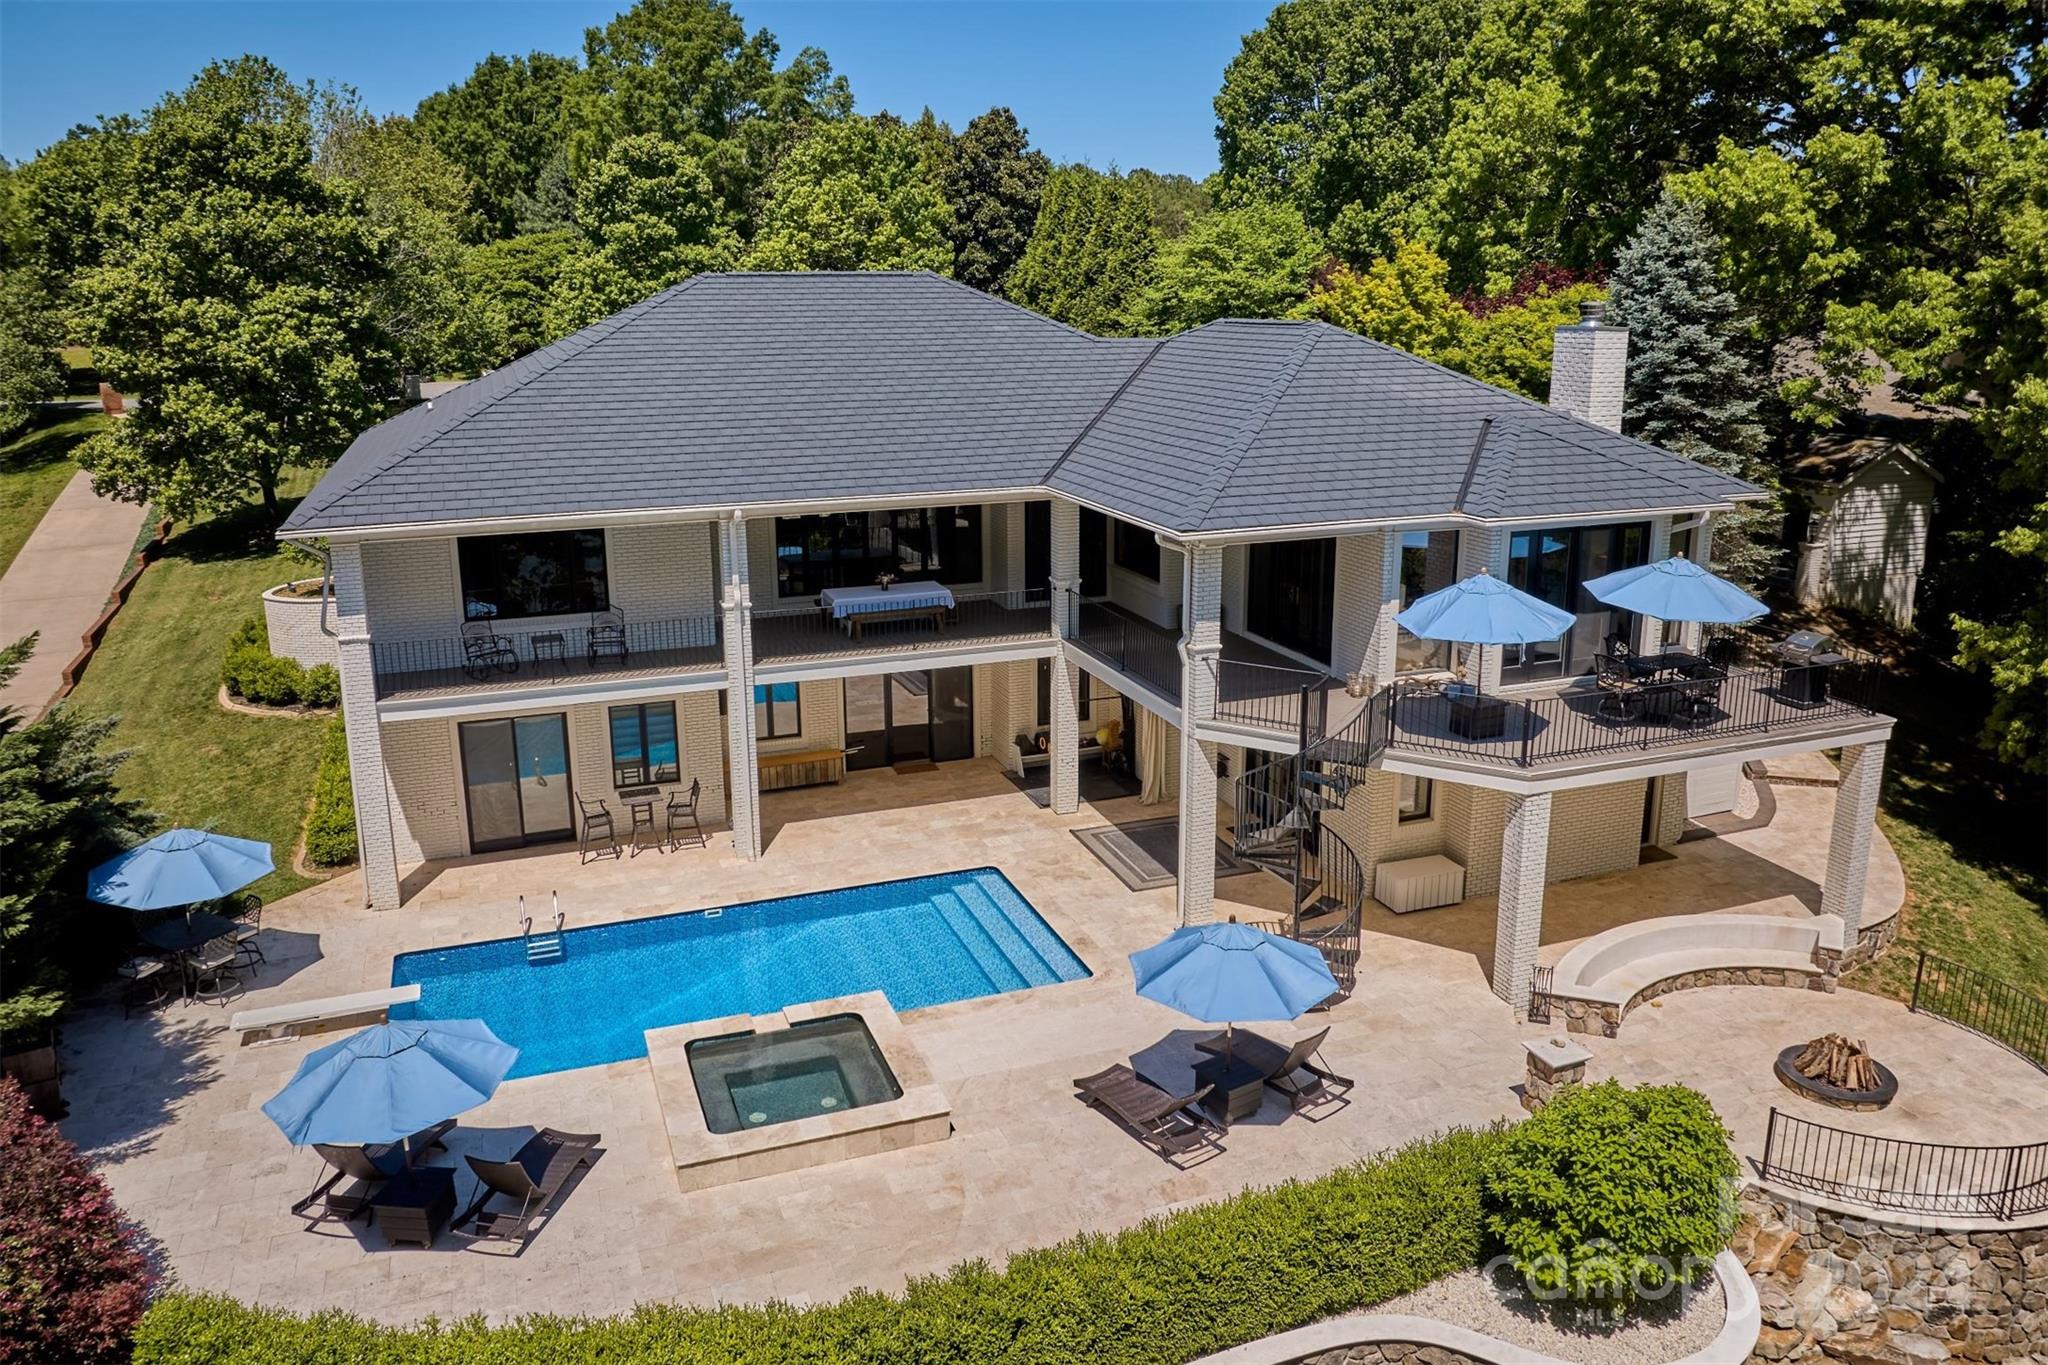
x=1601, y=769
x=808, y=506
x=511, y=701
x=902, y=660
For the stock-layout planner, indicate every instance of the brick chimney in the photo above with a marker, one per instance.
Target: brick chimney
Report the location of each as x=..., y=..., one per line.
x=1588, y=364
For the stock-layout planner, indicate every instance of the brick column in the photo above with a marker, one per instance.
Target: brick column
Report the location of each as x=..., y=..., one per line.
x=1650, y=630
x=1841, y=889
x=1482, y=548
x=1065, y=762
x=1201, y=647
x=1702, y=555
x=377, y=848
x=736, y=619
x=1524, y=852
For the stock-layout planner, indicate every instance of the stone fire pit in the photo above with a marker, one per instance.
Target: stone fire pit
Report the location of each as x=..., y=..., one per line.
x=1837, y=1072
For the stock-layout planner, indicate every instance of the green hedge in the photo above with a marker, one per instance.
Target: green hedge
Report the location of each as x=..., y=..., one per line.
x=253, y=673
x=1164, y=1292
x=331, y=824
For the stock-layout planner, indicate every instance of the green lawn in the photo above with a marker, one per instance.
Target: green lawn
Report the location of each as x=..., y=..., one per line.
x=159, y=669
x=34, y=467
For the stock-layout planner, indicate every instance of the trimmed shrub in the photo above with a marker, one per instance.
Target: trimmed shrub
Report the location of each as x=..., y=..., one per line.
x=254, y=674
x=72, y=1287
x=1610, y=1195
x=1163, y=1292
x=331, y=824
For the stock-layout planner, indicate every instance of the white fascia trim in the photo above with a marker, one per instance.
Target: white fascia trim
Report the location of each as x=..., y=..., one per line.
x=1439, y=522
x=901, y=661
x=507, y=703
x=1248, y=737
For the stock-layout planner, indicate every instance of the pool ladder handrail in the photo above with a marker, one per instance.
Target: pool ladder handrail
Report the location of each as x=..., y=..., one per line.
x=546, y=946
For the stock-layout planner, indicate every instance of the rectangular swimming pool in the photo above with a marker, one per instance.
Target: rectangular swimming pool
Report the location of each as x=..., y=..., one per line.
x=922, y=941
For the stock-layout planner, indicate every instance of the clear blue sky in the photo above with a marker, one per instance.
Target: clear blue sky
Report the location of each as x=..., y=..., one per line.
x=1127, y=83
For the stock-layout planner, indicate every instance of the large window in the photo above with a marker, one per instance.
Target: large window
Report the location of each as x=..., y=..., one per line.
x=1290, y=586
x=778, y=711
x=644, y=744
x=1416, y=799
x=549, y=573
x=1137, y=550
x=851, y=549
x=1554, y=565
x=1429, y=561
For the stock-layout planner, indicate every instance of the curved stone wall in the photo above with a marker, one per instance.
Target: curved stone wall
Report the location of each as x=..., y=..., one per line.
x=294, y=624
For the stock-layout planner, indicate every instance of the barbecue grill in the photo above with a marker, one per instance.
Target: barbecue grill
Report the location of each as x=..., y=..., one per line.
x=1808, y=657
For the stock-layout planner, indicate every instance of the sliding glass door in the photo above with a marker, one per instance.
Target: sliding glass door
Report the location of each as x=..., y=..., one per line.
x=515, y=781
x=910, y=717
x=1555, y=565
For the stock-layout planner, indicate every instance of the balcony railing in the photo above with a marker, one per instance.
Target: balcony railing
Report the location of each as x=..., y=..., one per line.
x=541, y=656
x=1587, y=722
x=783, y=634
x=1893, y=1173
x=1128, y=644
x=1294, y=701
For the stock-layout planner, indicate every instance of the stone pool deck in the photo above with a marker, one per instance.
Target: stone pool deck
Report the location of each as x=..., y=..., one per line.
x=167, y=1106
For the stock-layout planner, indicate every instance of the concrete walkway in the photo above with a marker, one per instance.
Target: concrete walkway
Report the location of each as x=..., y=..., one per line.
x=59, y=583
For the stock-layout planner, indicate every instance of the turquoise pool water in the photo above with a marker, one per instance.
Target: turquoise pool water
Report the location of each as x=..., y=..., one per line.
x=922, y=941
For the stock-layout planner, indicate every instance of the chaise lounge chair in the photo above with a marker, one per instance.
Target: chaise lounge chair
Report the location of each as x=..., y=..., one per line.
x=368, y=1167
x=1172, y=1125
x=1297, y=1072
x=534, y=1176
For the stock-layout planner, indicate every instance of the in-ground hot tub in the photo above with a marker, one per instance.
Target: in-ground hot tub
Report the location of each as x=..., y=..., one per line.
x=817, y=1066
x=753, y=1095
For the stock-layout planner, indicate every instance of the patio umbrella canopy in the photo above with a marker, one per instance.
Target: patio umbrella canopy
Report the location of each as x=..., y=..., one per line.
x=390, y=1081
x=1482, y=610
x=1230, y=973
x=1676, y=589
x=178, y=867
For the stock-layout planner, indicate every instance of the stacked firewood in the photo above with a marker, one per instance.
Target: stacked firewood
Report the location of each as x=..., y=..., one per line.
x=1836, y=1060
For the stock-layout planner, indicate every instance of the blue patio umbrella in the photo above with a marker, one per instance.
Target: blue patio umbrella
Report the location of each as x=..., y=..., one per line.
x=178, y=867
x=1224, y=973
x=388, y=1082
x=1482, y=610
x=1676, y=589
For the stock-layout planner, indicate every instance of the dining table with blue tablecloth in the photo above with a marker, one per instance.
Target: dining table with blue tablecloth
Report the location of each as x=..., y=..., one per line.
x=870, y=598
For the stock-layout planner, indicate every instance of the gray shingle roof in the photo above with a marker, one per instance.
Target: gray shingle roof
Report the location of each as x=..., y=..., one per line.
x=741, y=389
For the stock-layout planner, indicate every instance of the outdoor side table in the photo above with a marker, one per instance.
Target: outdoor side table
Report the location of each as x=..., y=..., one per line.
x=640, y=804
x=549, y=646
x=1477, y=717
x=415, y=1204
x=1240, y=1088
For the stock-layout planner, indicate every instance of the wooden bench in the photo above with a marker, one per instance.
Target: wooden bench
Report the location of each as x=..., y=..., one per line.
x=289, y=1021
x=858, y=621
x=805, y=768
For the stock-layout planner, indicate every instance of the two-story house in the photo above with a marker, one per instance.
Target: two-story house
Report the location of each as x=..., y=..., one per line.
x=761, y=530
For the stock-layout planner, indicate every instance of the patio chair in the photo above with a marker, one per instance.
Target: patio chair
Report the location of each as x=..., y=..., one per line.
x=682, y=810
x=485, y=650
x=1619, y=647
x=248, y=918
x=608, y=635
x=368, y=1167
x=1172, y=1125
x=149, y=981
x=1297, y=1072
x=1699, y=697
x=598, y=838
x=1621, y=698
x=212, y=970
x=535, y=1174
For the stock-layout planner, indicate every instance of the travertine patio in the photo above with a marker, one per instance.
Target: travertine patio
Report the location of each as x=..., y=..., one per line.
x=168, y=1105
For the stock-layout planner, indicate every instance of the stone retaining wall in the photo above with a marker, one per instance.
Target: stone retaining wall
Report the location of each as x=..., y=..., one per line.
x=294, y=625
x=1391, y=1353
x=1858, y=1290
x=1592, y=1016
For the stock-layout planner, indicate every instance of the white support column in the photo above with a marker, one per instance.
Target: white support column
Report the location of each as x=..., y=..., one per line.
x=1483, y=548
x=1524, y=854
x=376, y=847
x=737, y=635
x=1650, y=630
x=1014, y=538
x=1702, y=555
x=1381, y=658
x=1201, y=647
x=1848, y=872
x=1065, y=761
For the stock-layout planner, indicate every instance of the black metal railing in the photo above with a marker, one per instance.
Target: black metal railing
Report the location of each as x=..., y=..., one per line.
x=811, y=631
x=1542, y=982
x=1913, y=1177
x=1135, y=647
x=1586, y=722
x=1998, y=1010
x=1294, y=701
x=516, y=654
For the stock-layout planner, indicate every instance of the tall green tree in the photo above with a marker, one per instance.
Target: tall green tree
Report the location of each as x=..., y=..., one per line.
x=1691, y=389
x=29, y=336
x=688, y=72
x=513, y=281
x=1250, y=262
x=1338, y=107
x=649, y=219
x=992, y=180
x=66, y=189
x=853, y=194
x=237, y=301
x=1091, y=253
x=1177, y=201
x=503, y=125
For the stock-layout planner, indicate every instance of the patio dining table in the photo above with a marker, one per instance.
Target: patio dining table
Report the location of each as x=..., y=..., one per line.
x=845, y=602
x=1659, y=667
x=187, y=933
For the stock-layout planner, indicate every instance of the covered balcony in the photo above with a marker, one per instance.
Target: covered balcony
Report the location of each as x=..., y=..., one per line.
x=932, y=619
x=497, y=658
x=1256, y=687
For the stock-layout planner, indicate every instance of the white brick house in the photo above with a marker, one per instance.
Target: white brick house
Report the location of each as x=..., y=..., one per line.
x=1215, y=528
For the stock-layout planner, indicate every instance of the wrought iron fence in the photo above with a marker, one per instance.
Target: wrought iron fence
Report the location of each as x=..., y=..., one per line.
x=1294, y=701
x=1913, y=1177
x=1998, y=1010
x=1131, y=646
x=1527, y=732
x=1541, y=982
x=807, y=631
x=514, y=654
